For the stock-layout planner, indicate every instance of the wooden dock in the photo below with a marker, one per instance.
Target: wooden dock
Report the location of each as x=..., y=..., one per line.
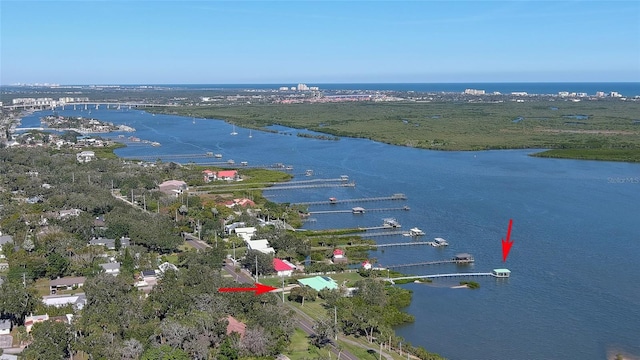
x=242, y=187
x=413, y=243
x=406, y=208
x=437, y=276
x=344, y=201
x=429, y=263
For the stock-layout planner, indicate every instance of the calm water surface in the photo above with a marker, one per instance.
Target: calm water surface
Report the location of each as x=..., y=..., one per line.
x=573, y=293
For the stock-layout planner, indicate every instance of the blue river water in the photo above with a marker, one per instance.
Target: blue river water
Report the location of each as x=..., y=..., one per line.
x=573, y=292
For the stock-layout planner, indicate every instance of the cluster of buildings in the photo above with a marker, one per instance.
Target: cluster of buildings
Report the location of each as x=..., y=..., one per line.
x=47, y=101
x=300, y=87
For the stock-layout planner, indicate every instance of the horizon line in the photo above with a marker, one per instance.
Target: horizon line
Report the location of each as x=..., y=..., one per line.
x=46, y=84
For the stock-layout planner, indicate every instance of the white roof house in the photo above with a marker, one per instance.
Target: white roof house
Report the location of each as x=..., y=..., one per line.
x=77, y=300
x=245, y=232
x=85, y=156
x=260, y=245
x=111, y=268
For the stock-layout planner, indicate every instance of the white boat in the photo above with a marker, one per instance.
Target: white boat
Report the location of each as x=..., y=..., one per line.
x=217, y=156
x=391, y=223
x=308, y=173
x=250, y=135
x=416, y=232
x=230, y=162
x=440, y=242
x=234, y=131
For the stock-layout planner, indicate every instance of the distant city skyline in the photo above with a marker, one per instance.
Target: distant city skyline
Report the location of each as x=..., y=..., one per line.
x=316, y=42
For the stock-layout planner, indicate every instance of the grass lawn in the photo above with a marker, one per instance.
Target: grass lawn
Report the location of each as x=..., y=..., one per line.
x=315, y=309
x=300, y=348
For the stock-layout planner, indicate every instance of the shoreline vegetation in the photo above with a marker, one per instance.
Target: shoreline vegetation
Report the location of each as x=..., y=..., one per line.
x=606, y=130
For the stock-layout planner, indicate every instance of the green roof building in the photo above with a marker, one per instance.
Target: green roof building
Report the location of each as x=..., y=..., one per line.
x=319, y=283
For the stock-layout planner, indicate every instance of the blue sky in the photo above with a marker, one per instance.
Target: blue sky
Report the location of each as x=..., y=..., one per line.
x=217, y=42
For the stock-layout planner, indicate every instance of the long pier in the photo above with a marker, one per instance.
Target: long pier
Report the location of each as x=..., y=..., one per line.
x=240, y=187
x=436, y=276
x=169, y=156
x=344, y=201
x=413, y=243
x=351, y=211
x=430, y=263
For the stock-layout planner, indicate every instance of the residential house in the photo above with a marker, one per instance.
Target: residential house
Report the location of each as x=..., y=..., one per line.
x=4, y=239
x=31, y=320
x=208, y=175
x=366, y=265
x=110, y=243
x=5, y=327
x=227, y=175
x=149, y=275
x=338, y=256
x=231, y=227
x=72, y=212
x=319, y=283
x=173, y=187
x=77, y=300
x=246, y=233
x=260, y=245
x=112, y=268
x=85, y=156
x=8, y=357
x=66, y=283
x=283, y=267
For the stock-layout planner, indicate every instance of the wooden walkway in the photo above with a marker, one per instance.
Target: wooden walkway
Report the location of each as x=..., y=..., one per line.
x=429, y=263
x=241, y=187
x=437, y=276
x=351, y=211
x=404, y=243
x=344, y=201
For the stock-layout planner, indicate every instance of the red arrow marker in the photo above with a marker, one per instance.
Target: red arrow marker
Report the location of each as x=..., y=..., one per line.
x=506, y=245
x=259, y=289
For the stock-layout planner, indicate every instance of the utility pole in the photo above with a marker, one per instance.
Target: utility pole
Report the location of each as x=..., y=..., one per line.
x=144, y=201
x=256, y=268
x=380, y=353
x=335, y=322
x=282, y=289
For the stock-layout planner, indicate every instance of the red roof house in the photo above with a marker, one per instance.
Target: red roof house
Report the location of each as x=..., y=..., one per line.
x=235, y=326
x=228, y=175
x=283, y=267
x=338, y=256
x=366, y=265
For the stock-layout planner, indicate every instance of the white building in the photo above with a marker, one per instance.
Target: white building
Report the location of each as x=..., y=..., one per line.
x=111, y=268
x=260, y=245
x=85, y=156
x=473, y=92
